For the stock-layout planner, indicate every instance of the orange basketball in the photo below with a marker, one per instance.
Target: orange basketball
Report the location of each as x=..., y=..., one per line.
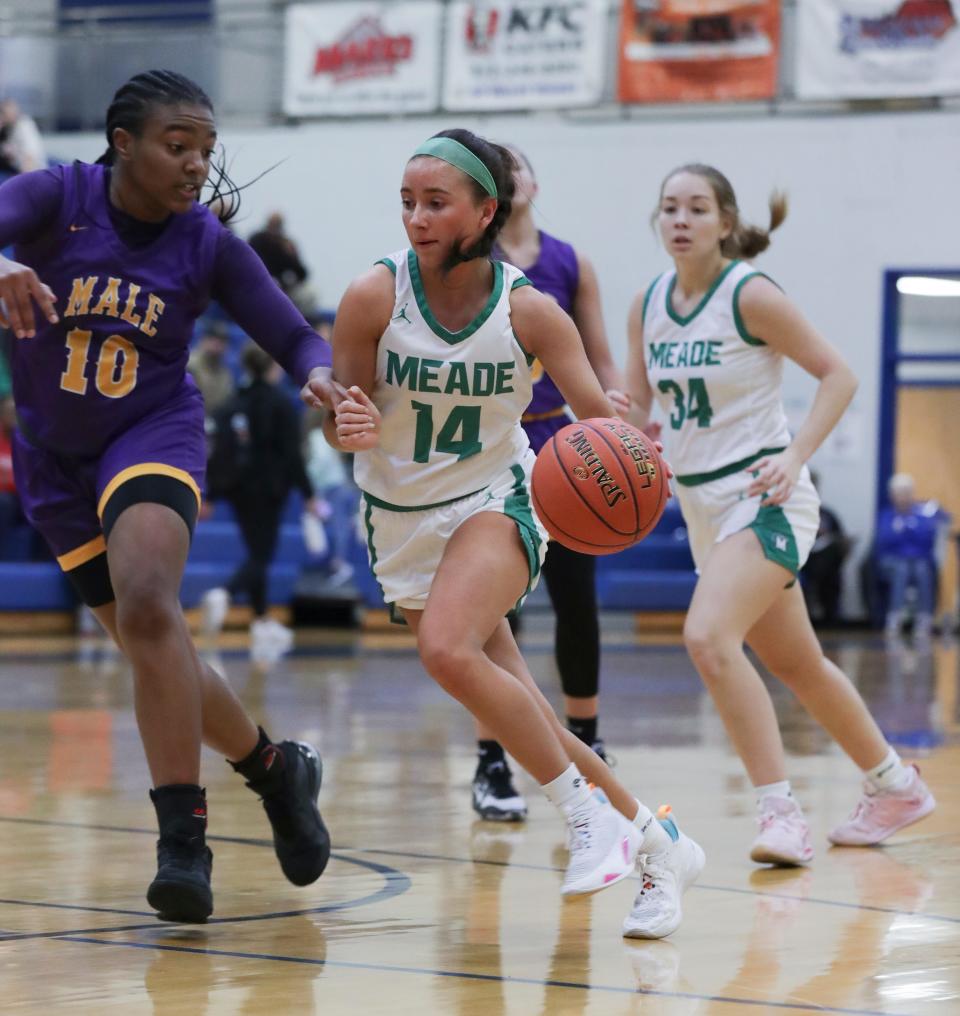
x=599, y=486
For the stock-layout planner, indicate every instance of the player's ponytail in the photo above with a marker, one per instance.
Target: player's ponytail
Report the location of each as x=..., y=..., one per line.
x=745, y=240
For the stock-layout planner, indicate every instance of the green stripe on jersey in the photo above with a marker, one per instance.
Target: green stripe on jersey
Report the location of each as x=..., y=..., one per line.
x=375, y=502
x=703, y=302
x=775, y=534
x=738, y=317
x=389, y=262
x=452, y=338
x=695, y=479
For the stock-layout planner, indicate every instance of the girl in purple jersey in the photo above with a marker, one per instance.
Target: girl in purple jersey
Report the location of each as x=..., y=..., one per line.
x=120, y=258
x=565, y=275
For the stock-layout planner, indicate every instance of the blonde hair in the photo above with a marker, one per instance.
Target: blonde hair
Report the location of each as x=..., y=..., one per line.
x=745, y=240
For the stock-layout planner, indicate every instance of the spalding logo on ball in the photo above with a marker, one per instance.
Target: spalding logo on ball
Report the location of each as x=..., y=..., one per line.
x=599, y=486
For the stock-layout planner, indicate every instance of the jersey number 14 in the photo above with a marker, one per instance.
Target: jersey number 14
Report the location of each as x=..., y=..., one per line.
x=459, y=435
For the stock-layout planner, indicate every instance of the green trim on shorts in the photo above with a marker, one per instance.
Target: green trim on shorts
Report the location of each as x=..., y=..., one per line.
x=371, y=549
x=695, y=479
x=377, y=503
x=773, y=530
x=517, y=506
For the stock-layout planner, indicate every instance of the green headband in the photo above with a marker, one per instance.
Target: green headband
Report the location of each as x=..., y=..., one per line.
x=452, y=152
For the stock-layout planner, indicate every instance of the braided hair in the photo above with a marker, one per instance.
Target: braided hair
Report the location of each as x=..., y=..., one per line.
x=133, y=104
x=501, y=163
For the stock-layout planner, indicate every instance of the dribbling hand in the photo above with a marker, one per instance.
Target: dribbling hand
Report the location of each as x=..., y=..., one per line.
x=358, y=420
x=20, y=288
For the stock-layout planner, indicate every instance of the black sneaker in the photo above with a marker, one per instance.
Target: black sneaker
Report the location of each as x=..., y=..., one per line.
x=495, y=798
x=300, y=838
x=599, y=748
x=181, y=890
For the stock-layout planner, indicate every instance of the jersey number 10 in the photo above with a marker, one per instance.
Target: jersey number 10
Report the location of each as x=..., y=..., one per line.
x=116, y=365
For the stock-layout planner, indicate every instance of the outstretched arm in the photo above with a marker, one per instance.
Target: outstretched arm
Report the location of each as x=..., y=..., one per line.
x=770, y=316
x=588, y=317
x=547, y=333
x=362, y=318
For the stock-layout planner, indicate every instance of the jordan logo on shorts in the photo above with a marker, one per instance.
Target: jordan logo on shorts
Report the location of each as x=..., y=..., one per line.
x=781, y=543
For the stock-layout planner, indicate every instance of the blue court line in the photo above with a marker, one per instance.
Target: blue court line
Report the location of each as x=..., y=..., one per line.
x=420, y=856
x=470, y=975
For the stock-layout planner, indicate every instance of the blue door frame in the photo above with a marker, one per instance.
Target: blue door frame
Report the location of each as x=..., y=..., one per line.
x=890, y=359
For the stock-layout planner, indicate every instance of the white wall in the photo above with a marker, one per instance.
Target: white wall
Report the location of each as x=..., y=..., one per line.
x=867, y=192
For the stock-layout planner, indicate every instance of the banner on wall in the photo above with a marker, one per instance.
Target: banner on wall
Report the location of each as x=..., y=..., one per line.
x=351, y=58
x=877, y=48
x=518, y=54
x=698, y=50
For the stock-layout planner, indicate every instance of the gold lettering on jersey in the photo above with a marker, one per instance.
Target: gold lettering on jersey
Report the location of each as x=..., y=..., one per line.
x=155, y=307
x=109, y=302
x=80, y=293
x=128, y=311
x=142, y=310
x=612, y=491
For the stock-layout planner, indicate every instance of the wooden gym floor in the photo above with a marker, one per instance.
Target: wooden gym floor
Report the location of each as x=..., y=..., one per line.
x=423, y=909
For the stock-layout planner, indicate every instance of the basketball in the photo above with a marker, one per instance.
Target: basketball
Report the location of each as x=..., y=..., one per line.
x=599, y=486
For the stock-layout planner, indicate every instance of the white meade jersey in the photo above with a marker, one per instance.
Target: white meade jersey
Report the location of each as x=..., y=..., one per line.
x=451, y=401
x=718, y=385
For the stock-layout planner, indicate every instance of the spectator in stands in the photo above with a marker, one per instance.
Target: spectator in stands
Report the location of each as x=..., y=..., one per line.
x=256, y=461
x=209, y=368
x=822, y=575
x=331, y=473
x=282, y=260
x=9, y=503
x=21, y=147
x=905, y=548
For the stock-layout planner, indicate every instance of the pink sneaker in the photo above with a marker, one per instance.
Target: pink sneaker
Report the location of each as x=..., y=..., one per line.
x=784, y=834
x=880, y=813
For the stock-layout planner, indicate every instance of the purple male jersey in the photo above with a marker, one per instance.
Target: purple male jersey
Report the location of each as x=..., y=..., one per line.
x=556, y=273
x=103, y=396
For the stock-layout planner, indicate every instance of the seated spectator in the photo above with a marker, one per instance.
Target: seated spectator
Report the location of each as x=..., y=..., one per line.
x=822, y=575
x=209, y=368
x=21, y=147
x=905, y=549
x=282, y=260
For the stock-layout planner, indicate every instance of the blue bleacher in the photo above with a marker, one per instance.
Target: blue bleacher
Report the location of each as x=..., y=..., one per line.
x=656, y=574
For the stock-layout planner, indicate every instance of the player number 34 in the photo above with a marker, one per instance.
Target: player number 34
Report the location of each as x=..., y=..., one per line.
x=117, y=363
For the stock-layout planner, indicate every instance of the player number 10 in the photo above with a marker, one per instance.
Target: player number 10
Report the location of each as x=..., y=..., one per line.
x=116, y=365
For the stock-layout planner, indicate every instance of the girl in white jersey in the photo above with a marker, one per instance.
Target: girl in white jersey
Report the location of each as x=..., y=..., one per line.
x=436, y=343
x=707, y=340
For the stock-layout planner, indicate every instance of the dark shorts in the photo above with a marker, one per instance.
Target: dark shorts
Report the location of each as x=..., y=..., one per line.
x=72, y=502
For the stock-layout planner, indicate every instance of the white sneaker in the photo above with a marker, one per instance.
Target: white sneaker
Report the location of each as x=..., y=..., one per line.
x=603, y=847
x=269, y=640
x=665, y=877
x=215, y=603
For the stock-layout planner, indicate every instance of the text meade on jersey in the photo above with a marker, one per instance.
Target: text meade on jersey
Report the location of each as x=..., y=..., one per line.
x=474, y=379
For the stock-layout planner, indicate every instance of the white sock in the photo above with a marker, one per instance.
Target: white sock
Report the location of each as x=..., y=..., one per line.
x=655, y=837
x=779, y=789
x=890, y=774
x=569, y=791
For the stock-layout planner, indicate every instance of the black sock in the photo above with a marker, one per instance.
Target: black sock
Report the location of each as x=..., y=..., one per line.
x=181, y=811
x=489, y=752
x=264, y=766
x=586, y=730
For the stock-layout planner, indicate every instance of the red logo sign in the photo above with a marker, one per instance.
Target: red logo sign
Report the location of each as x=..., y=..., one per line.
x=364, y=50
